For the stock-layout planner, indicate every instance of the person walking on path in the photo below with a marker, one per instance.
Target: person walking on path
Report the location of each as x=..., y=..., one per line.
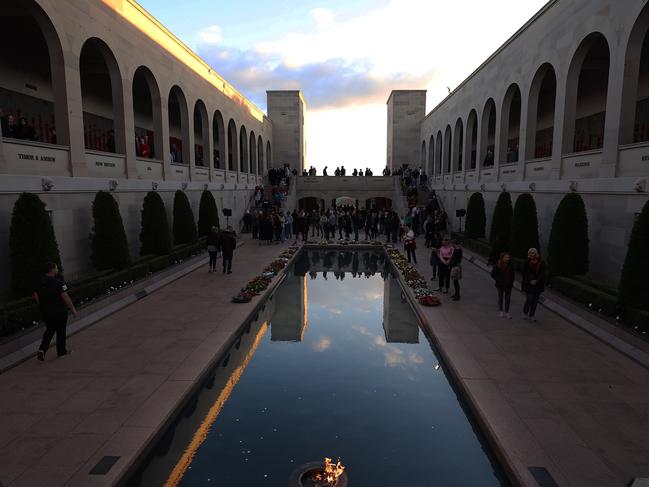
x=444, y=265
x=51, y=294
x=213, y=248
x=503, y=276
x=410, y=244
x=533, y=283
x=456, y=269
x=228, y=242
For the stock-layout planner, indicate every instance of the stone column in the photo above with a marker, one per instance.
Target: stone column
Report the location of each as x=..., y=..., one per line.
x=74, y=130
x=497, y=142
x=559, y=137
x=608, y=168
x=164, y=145
x=480, y=152
x=522, y=136
x=128, y=127
x=208, y=147
x=3, y=162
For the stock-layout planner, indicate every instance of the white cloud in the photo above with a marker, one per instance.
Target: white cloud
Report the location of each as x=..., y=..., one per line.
x=211, y=35
x=323, y=344
x=323, y=17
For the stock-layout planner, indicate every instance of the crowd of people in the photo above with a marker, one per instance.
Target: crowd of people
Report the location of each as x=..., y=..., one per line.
x=14, y=127
x=144, y=146
x=339, y=171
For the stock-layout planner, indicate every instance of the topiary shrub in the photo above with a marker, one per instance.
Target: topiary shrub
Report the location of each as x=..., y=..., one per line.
x=109, y=246
x=32, y=243
x=154, y=236
x=476, y=218
x=184, y=226
x=634, y=292
x=568, y=247
x=208, y=214
x=525, y=226
x=501, y=222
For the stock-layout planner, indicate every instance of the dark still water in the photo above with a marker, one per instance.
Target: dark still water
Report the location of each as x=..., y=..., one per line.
x=332, y=367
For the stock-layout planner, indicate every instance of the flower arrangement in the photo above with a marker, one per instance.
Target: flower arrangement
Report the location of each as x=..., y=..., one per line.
x=413, y=278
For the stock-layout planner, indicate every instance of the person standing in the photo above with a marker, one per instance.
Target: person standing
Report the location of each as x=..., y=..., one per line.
x=228, y=242
x=51, y=294
x=410, y=244
x=533, y=283
x=503, y=276
x=444, y=265
x=213, y=248
x=434, y=254
x=456, y=269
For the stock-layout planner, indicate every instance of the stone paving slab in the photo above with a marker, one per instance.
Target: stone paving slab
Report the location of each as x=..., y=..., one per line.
x=125, y=377
x=550, y=394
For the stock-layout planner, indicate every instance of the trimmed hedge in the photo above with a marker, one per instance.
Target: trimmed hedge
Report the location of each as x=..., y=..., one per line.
x=108, y=242
x=634, y=291
x=184, y=227
x=568, y=247
x=208, y=214
x=525, y=226
x=22, y=314
x=476, y=217
x=582, y=292
x=32, y=243
x=501, y=222
x=154, y=236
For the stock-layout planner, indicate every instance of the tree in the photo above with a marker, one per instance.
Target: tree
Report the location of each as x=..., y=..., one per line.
x=154, y=236
x=208, y=214
x=568, y=247
x=525, y=226
x=634, y=292
x=32, y=243
x=501, y=222
x=184, y=226
x=476, y=218
x=109, y=246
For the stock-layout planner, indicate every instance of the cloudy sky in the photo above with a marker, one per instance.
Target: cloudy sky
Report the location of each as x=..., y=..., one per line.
x=346, y=56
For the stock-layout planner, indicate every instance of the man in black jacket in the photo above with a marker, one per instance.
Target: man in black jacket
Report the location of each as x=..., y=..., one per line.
x=228, y=241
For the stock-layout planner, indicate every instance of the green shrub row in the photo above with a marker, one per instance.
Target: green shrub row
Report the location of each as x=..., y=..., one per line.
x=24, y=313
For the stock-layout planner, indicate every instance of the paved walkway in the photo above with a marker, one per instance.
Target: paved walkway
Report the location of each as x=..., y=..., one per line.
x=126, y=375
x=553, y=395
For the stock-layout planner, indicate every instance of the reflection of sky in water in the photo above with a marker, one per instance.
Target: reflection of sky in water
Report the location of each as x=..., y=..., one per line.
x=344, y=391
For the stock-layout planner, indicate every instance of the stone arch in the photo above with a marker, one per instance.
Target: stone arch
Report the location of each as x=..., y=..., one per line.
x=218, y=140
x=586, y=95
x=422, y=155
x=233, y=147
x=269, y=156
x=458, y=146
x=438, y=154
x=540, y=113
x=431, y=155
x=253, y=153
x=201, y=133
x=147, y=113
x=243, y=150
x=448, y=142
x=260, y=157
x=635, y=92
x=510, y=125
x=472, y=140
x=488, y=134
x=178, y=126
x=39, y=57
x=101, y=98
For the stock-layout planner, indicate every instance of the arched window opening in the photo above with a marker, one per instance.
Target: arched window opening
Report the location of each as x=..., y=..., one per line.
x=422, y=155
x=472, y=131
x=635, y=93
x=438, y=154
x=431, y=155
x=253, y=153
x=458, y=141
x=511, y=125
x=218, y=138
x=30, y=105
x=201, y=157
x=232, y=145
x=178, y=130
x=541, y=107
x=488, y=141
x=588, y=81
x=260, y=157
x=100, y=83
x=243, y=150
x=146, y=114
x=269, y=156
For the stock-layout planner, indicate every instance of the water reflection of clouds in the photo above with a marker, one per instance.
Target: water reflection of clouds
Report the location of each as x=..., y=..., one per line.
x=354, y=295
x=393, y=356
x=322, y=344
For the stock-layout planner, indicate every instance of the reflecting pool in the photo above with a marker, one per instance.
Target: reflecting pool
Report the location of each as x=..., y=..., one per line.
x=335, y=365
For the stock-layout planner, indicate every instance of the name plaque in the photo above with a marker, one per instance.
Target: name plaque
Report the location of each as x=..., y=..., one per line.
x=582, y=164
x=33, y=157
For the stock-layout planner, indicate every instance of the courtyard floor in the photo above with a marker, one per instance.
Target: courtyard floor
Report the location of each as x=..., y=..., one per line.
x=550, y=395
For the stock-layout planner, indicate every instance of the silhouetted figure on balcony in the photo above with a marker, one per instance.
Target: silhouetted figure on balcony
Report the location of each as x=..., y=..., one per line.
x=10, y=128
x=110, y=141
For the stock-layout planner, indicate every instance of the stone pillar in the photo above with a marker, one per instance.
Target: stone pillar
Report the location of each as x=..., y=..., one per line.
x=497, y=142
x=3, y=162
x=559, y=137
x=208, y=146
x=164, y=145
x=74, y=130
x=614, y=116
x=522, y=136
x=480, y=153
